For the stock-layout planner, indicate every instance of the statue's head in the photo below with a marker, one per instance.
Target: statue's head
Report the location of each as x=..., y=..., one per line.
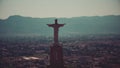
x=56, y=21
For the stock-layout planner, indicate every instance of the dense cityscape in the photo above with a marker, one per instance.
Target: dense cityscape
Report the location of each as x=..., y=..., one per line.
x=59, y=33
x=92, y=51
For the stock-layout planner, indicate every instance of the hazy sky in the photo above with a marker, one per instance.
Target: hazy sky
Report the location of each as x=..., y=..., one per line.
x=59, y=8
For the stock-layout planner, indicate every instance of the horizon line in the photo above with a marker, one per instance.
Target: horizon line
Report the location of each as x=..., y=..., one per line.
x=62, y=17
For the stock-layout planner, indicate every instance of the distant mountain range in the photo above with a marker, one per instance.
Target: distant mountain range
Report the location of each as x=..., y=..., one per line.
x=19, y=25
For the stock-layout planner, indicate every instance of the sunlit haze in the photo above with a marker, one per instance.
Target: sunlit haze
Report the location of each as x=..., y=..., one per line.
x=59, y=8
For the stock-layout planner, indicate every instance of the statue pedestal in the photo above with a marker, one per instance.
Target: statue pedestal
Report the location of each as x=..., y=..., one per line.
x=56, y=56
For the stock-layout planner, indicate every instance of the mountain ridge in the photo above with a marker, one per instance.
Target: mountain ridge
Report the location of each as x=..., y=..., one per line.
x=17, y=24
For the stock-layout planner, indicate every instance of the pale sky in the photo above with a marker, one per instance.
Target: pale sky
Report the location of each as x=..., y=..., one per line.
x=58, y=8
